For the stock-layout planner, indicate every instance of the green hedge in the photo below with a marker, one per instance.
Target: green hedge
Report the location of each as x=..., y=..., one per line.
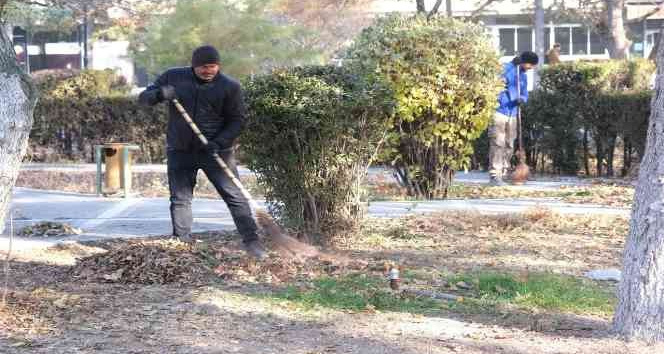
x=70, y=128
x=79, y=110
x=310, y=136
x=580, y=113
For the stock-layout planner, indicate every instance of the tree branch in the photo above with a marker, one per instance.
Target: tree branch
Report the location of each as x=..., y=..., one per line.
x=435, y=8
x=482, y=7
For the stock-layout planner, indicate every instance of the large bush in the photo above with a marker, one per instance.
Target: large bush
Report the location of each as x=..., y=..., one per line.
x=444, y=74
x=310, y=136
x=79, y=110
x=585, y=108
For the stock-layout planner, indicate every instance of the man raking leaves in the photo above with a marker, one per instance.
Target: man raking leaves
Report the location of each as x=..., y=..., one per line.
x=206, y=115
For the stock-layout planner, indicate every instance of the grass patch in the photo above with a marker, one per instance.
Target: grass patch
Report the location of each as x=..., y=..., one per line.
x=543, y=291
x=356, y=292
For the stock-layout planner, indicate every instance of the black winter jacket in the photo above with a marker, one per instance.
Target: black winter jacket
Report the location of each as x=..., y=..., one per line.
x=217, y=107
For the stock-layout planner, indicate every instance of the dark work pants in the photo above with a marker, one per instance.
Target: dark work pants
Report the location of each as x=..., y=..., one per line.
x=182, y=170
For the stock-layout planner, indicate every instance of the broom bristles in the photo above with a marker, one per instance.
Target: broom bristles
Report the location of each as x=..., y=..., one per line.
x=521, y=173
x=285, y=244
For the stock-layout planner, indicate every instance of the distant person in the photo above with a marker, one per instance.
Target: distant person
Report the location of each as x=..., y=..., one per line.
x=503, y=129
x=215, y=103
x=553, y=55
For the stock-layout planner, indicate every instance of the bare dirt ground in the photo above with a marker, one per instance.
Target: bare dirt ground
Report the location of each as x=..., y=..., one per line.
x=169, y=298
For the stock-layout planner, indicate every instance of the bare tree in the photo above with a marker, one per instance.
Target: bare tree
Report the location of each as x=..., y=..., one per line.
x=435, y=8
x=322, y=16
x=18, y=97
x=618, y=43
x=539, y=28
x=481, y=8
x=640, y=310
x=606, y=17
x=421, y=8
x=539, y=33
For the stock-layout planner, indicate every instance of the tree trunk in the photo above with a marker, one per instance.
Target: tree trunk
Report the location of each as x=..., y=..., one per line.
x=420, y=6
x=627, y=157
x=640, y=310
x=599, y=154
x=448, y=8
x=434, y=9
x=618, y=42
x=539, y=34
x=586, y=152
x=18, y=97
x=610, y=153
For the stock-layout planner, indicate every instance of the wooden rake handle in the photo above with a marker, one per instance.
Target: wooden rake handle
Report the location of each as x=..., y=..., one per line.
x=216, y=156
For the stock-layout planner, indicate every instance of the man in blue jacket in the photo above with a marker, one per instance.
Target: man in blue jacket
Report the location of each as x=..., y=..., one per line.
x=214, y=101
x=502, y=131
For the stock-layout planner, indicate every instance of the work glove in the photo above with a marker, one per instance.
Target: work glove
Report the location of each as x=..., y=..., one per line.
x=167, y=93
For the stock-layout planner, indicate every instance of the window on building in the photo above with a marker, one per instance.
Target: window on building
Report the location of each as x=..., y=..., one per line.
x=574, y=40
x=596, y=45
x=579, y=41
x=507, y=45
x=562, y=36
x=524, y=37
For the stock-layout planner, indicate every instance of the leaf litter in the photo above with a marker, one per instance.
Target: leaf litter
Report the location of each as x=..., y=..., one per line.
x=216, y=258
x=49, y=229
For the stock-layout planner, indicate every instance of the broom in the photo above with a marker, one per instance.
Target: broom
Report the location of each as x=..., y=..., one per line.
x=522, y=171
x=285, y=244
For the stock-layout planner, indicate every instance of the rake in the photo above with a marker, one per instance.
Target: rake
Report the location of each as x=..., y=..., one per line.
x=522, y=171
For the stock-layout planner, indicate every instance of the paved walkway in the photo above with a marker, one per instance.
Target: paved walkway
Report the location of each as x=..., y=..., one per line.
x=471, y=177
x=100, y=217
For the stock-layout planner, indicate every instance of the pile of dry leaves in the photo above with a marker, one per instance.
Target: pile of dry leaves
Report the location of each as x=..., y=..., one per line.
x=49, y=229
x=143, y=262
x=162, y=261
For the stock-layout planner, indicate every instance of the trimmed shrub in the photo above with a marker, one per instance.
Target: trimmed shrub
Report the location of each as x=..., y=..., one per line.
x=627, y=113
x=79, y=110
x=585, y=106
x=444, y=75
x=311, y=135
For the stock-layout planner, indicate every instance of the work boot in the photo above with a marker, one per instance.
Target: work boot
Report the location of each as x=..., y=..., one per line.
x=496, y=182
x=186, y=238
x=255, y=249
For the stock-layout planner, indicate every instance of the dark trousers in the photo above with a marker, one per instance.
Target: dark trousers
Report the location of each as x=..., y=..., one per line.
x=182, y=170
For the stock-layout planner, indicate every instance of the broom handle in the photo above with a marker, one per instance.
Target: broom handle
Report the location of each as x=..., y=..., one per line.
x=216, y=156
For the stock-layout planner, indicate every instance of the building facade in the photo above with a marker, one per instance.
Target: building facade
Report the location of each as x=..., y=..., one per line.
x=510, y=23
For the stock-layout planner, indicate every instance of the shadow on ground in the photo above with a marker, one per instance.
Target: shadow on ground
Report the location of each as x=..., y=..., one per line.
x=63, y=315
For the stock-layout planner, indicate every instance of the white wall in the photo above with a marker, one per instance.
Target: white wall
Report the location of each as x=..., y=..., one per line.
x=113, y=55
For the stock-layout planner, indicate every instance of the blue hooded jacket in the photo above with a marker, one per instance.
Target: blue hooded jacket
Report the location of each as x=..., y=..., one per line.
x=507, y=99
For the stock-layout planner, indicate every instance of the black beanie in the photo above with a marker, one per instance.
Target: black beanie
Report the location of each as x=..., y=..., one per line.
x=206, y=54
x=529, y=58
